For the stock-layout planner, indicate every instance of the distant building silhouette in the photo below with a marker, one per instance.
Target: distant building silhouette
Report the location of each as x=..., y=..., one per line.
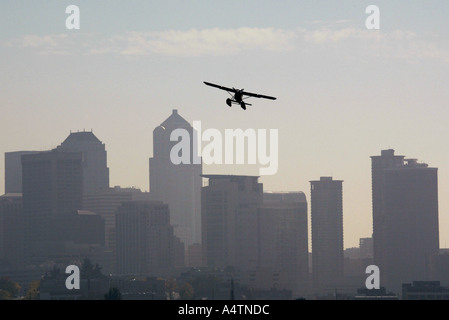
x=355, y=263
x=438, y=266
x=379, y=164
x=366, y=247
x=13, y=171
x=177, y=185
x=230, y=204
x=411, y=219
x=283, y=239
x=105, y=202
x=11, y=232
x=53, y=183
x=146, y=244
x=261, y=237
x=77, y=235
x=52, y=187
x=327, y=232
x=94, y=159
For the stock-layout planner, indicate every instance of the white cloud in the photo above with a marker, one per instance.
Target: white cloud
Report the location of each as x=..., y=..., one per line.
x=40, y=41
x=218, y=42
x=215, y=41
x=326, y=35
x=329, y=23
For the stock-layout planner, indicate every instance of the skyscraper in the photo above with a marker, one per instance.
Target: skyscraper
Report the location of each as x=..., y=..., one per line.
x=411, y=222
x=146, y=244
x=105, y=203
x=13, y=171
x=379, y=164
x=283, y=238
x=178, y=185
x=11, y=231
x=230, y=205
x=327, y=232
x=94, y=159
x=52, y=187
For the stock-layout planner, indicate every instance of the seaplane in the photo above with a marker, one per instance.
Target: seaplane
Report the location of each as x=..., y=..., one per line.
x=238, y=95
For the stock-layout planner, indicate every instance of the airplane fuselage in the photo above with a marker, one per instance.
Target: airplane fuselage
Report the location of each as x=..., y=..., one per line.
x=238, y=96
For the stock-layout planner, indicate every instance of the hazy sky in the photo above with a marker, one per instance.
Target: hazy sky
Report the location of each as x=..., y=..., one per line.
x=344, y=92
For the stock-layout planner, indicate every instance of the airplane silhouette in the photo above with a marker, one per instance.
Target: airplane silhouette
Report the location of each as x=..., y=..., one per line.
x=238, y=95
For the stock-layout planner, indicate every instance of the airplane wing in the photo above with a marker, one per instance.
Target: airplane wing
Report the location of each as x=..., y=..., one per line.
x=256, y=95
x=220, y=87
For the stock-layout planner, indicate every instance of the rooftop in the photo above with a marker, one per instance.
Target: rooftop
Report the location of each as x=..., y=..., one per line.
x=175, y=120
x=82, y=136
x=226, y=176
x=11, y=195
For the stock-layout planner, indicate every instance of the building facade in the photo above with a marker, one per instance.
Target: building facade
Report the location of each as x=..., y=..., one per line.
x=327, y=232
x=11, y=232
x=146, y=244
x=105, y=202
x=13, y=171
x=178, y=185
x=283, y=239
x=379, y=164
x=230, y=207
x=94, y=159
x=52, y=187
x=411, y=219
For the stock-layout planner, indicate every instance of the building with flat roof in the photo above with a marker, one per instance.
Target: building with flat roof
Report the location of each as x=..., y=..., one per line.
x=327, y=232
x=105, y=202
x=52, y=187
x=230, y=204
x=379, y=164
x=146, y=244
x=283, y=239
x=411, y=222
x=11, y=232
x=13, y=171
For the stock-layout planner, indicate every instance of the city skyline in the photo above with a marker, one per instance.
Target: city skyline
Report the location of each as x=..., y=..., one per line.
x=259, y=237
x=307, y=193
x=344, y=92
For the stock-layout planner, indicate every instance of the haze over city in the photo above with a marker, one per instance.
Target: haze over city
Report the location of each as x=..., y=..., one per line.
x=344, y=92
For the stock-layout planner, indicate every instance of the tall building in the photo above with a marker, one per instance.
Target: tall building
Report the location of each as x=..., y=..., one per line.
x=94, y=159
x=75, y=236
x=13, y=171
x=411, y=222
x=105, y=203
x=230, y=207
x=379, y=164
x=178, y=185
x=52, y=187
x=11, y=232
x=146, y=244
x=283, y=239
x=327, y=232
